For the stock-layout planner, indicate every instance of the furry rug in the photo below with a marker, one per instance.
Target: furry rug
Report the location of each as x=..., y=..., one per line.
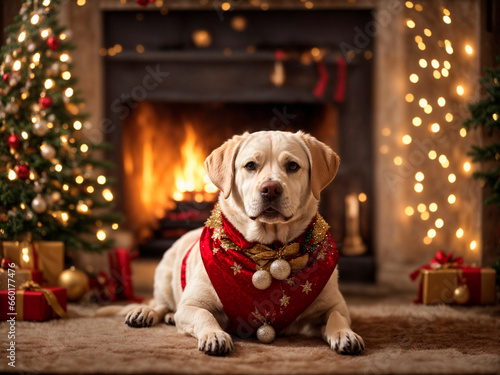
x=400, y=338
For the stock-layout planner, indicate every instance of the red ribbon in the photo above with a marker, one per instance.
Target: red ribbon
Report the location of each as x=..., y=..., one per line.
x=184, y=266
x=440, y=260
x=35, y=256
x=471, y=276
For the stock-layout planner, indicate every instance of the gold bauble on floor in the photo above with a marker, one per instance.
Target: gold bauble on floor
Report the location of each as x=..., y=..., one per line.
x=75, y=281
x=461, y=294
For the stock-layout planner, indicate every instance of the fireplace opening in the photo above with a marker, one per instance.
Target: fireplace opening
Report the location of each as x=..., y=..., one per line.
x=164, y=146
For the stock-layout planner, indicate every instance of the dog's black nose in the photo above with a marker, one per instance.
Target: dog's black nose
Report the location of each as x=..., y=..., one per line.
x=271, y=190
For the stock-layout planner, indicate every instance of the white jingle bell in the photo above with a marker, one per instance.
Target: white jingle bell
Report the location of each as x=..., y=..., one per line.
x=266, y=334
x=262, y=279
x=280, y=269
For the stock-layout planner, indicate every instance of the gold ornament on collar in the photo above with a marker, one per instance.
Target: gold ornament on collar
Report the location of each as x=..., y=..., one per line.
x=271, y=262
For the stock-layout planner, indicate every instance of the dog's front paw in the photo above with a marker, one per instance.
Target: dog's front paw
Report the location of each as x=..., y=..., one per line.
x=346, y=342
x=169, y=319
x=215, y=343
x=141, y=317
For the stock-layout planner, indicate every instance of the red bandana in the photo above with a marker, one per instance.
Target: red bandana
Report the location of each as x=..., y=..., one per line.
x=231, y=261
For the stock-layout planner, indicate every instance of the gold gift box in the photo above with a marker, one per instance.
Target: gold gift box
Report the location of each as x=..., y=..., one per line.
x=438, y=286
x=18, y=277
x=49, y=254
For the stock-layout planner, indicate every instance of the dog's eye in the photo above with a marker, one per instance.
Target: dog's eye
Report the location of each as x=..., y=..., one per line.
x=292, y=167
x=250, y=166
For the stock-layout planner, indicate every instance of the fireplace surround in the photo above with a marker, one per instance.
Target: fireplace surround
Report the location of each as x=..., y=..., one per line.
x=396, y=240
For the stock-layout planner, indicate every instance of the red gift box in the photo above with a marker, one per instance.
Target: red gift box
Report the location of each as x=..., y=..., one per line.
x=33, y=303
x=103, y=288
x=121, y=274
x=446, y=280
x=110, y=276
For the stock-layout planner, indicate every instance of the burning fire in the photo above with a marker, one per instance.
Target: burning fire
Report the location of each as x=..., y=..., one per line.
x=191, y=180
x=161, y=168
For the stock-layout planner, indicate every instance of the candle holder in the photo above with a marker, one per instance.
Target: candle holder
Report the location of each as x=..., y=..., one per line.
x=353, y=243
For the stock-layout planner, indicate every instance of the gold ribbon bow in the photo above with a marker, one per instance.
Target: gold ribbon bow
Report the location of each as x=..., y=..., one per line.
x=48, y=294
x=264, y=256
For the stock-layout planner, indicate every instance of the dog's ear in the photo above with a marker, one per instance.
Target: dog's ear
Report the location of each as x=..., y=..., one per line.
x=220, y=164
x=324, y=163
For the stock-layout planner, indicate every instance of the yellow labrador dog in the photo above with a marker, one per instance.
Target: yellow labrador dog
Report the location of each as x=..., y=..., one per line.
x=264, y=261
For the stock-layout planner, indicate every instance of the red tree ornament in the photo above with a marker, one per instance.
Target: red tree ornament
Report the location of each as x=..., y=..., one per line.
x=6, y=77
x=143, y=3
x=53, y=43
x=23, y=172
x=45, y=102
x=14, y=142
x=6, y=264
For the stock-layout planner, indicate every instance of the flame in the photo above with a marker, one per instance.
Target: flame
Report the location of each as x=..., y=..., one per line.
x=190, y=173
x=161, y=168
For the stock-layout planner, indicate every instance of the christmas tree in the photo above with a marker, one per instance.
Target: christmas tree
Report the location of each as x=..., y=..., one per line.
x=485, y=114
x=49, y=185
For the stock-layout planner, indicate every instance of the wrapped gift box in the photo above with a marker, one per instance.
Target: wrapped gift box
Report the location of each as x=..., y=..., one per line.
x=110, y=274
x=438, y=286
x=19, y=277
x=121, y=271
x=46, y=256
x=446, y=280
x=38, y=304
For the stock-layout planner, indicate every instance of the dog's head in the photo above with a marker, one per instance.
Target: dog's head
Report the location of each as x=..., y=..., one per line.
x=272, y=176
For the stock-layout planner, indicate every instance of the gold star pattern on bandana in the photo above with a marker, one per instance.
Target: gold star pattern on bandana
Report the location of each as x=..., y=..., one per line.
x=307, y=287
x=322, y=254
x=215, y=250
x=285, y=300
x=236, y=268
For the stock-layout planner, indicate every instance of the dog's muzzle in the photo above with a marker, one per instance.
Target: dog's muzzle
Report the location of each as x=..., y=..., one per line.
x=271, y=191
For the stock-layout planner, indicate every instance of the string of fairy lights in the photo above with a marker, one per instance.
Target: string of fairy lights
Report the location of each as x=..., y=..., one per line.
x=438, y=70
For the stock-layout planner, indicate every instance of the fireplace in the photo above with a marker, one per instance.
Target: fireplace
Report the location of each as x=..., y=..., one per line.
x=199, y=80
